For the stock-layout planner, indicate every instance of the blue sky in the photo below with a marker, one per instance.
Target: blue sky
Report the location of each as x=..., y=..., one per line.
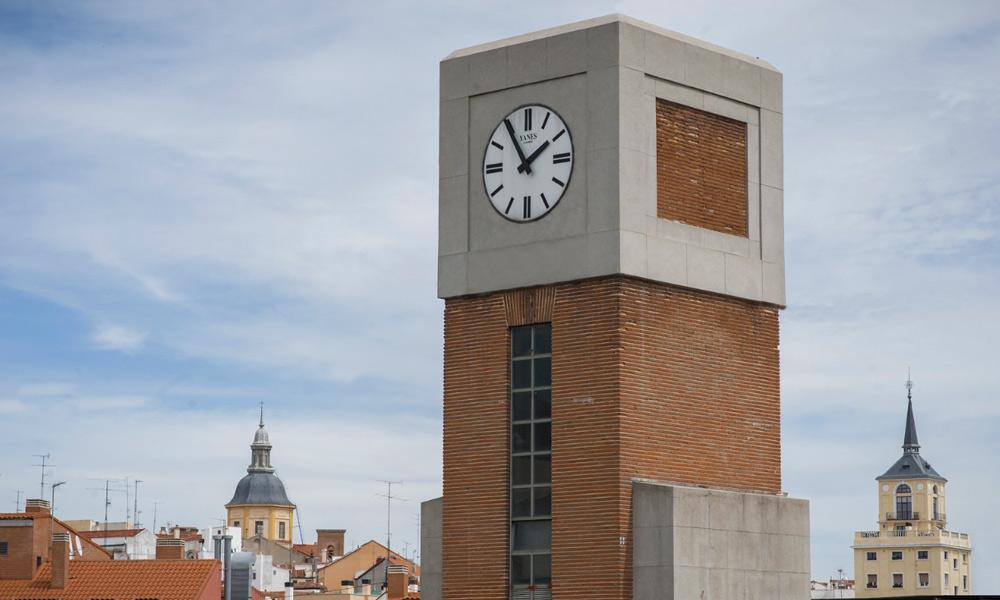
x=207, y=206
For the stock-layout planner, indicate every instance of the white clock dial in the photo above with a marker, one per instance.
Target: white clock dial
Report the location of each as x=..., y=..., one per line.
x=528, y=163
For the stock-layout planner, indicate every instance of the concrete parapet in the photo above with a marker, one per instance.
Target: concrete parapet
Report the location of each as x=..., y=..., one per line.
x=702, y=543
x=430, y=549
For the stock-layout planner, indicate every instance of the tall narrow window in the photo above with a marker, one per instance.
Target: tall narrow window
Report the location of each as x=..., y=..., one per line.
x=904, y=503
x=258, y=527
x=531, y=461
x=281, y=530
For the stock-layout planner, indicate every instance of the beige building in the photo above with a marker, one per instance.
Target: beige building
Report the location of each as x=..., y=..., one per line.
x=911, y=553
x=260, y=506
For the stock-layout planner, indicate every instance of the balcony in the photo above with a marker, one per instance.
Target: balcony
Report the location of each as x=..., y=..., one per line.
x=905, y=537
x=912, y=516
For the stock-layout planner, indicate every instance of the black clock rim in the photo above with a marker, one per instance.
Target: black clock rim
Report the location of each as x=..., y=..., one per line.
x=482, y=169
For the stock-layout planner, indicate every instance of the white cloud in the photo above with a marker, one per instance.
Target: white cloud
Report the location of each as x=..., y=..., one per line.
x=118, y=337
x=8, y=407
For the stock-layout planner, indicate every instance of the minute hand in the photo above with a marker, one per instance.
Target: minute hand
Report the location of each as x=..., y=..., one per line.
x=527, y=162
x=520, y=153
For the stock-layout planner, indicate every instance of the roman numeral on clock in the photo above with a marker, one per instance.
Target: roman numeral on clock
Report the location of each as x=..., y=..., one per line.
x=506, y=211
x=558, y=158
x=545, y=201
x=496, y=167
x=545, y=121
x=527, y=207
x=497, y=145
x=527, y=119
x=559, y=183
x=494, y=192
x=559, y=135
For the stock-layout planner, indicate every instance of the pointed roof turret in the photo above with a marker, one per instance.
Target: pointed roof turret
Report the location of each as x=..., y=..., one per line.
x=910, y=443
x=911, y=465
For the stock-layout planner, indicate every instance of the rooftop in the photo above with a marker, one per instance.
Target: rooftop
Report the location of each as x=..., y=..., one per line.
x=119, y=580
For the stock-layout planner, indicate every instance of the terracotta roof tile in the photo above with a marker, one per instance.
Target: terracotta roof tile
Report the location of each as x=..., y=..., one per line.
x=119, y=580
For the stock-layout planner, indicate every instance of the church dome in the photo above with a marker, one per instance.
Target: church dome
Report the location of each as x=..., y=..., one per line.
x=260, y=488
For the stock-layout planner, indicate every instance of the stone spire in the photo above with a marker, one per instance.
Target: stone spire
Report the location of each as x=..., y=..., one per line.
x=260, y=449
x=910, y=443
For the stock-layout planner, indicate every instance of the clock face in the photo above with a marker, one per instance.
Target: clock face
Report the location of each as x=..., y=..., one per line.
x=528, y=163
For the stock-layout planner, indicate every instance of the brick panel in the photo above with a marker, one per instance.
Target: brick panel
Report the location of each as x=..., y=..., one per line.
x=649, y=381
x=475, y=518
x=701, y=168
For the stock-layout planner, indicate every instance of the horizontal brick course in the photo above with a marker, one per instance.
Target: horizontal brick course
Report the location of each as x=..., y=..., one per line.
x=701, y=168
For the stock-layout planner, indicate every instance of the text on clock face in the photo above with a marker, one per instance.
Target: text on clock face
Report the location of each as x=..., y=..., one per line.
x=528, y=163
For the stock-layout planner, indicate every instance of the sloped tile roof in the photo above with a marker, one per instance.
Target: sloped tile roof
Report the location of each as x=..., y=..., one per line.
x=110, y=533
x=118, y=580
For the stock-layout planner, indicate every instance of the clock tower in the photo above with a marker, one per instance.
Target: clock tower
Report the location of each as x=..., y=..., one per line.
x=612, y=263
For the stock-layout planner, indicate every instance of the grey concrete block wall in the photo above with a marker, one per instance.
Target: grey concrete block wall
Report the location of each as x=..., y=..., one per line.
x=430, y=549
x=691, y=543
x=603, y=76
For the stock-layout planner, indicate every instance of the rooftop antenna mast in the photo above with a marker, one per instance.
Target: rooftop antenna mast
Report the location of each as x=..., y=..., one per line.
x=17, y=501
x=388, y=517
x=135, y=509
x=44, y=457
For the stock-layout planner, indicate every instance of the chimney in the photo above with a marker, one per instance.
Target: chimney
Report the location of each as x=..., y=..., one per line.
x=289, y=590
x=227, y=551
x=398, y=581
x=169, y=548
x=346, y=586
x=37, y=506
x=60, y=560
x=366, y=587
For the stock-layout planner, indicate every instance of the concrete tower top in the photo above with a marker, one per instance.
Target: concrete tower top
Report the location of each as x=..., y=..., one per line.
x=649, y=112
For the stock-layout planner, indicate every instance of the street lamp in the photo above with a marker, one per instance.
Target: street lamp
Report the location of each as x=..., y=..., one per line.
x=52, y=503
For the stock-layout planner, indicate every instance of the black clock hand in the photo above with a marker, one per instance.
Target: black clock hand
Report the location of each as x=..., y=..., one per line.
x=531, y=159
x=520, y=153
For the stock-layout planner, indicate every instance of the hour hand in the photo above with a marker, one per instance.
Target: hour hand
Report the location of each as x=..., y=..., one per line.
x=524, y=166
x=527, y=162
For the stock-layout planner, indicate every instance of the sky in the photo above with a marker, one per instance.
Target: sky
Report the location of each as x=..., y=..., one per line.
x=204, y=206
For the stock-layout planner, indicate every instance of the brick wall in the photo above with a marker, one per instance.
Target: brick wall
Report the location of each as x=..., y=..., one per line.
x=701, y=168
x=476, y=429
x=649, y=380
x=26, y=544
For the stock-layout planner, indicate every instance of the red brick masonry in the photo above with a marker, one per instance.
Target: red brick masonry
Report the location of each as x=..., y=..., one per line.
x=649, y=380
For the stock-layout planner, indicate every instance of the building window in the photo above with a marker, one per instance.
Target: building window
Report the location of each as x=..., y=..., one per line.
x=945, y=580
x=923, y=579
x=897, y=580
x=258, y=527
x=871, y=555
x=872, y=582
x=235, y=524
x=281, y=530
x=946, y=555
x=921, y=555
x=965, y=582
x=904, y=502
x=965, y=557
x=531, y=456
x=3, y=548
x=954, y=563
x=897, y=555
x=937, y=517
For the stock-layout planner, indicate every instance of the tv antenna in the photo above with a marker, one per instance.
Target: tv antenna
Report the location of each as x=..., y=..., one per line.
x=388, y=516
x=44, y=457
